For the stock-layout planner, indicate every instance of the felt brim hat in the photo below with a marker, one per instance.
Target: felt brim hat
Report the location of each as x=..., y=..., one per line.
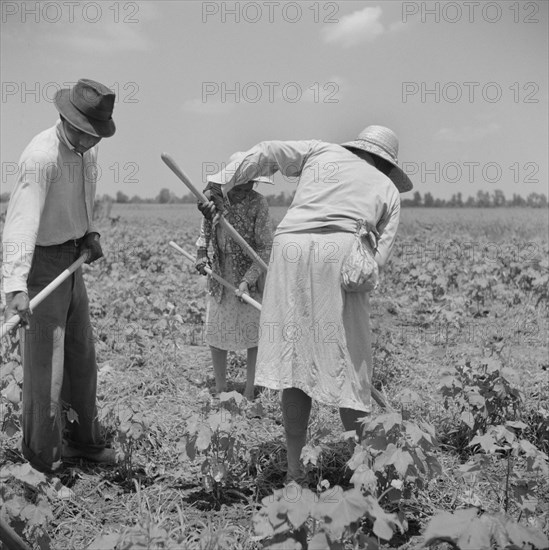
x=88, y=106
x=383, y=142
x=224, y=176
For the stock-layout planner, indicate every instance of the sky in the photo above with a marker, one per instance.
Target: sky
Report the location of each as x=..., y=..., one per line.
x=463, y=84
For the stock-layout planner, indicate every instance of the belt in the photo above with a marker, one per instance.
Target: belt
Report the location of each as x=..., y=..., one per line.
x=71, y=242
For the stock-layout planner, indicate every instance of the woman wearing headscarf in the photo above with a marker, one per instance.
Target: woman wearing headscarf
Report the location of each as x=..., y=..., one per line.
x=231, y=324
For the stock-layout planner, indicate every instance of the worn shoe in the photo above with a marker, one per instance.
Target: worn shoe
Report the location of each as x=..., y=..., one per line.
x=104, y=456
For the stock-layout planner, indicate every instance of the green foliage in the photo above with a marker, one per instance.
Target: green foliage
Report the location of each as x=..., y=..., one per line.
x=11, y=376
x=147, y=306
x=514, y=483
x=470, y=530
x=219, y=438
x=25, y=501
x=450, y=280
x=537, y=427
x=148, y=535
x=132, y=431
x=482, y=396
x=11, y=385
x=395, y=453
x=488, y=407
x=329, y=518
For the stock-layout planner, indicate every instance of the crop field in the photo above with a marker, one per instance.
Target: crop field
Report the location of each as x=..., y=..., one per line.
x=460, y=330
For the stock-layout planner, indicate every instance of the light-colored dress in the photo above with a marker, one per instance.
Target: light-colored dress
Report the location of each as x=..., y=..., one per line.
x=231, y=324
x=321, y=345
x=313, y=335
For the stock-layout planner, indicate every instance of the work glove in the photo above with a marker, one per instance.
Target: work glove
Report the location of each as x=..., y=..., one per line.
x=17, y=303
x=91, y=244
x=202, y=261
x=214, y=194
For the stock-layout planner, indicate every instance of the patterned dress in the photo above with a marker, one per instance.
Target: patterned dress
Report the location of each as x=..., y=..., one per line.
x=231, y=324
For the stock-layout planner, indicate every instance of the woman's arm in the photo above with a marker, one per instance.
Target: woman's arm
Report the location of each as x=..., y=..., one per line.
x=265, y=159
x=205, y=237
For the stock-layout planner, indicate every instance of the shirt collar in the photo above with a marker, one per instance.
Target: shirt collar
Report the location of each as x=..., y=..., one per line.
x=63, y=137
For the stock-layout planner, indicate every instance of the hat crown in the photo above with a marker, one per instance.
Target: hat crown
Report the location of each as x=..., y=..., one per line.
x=382, y=142
x=93, y=99
x=382, y=137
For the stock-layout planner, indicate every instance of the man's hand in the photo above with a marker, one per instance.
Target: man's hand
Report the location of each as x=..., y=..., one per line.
x=215, y=205
x=202, y=261
x=242, y=289
x=17, y=303
x=91, y=244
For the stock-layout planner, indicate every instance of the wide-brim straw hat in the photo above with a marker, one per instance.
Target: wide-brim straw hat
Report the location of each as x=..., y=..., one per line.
x=88, y=106
x=226, y=174
x=383, y=142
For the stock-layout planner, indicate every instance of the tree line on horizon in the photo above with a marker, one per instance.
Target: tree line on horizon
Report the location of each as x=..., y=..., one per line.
x=483, y=199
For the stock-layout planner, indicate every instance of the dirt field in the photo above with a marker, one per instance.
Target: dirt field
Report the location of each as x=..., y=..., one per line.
x=465, y=288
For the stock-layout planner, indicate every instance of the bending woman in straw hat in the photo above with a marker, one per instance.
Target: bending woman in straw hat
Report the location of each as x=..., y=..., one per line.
x=232, y=324
x=315, y=338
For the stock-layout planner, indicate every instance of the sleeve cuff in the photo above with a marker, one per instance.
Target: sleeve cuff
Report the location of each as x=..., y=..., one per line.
x=250, y=278
x=15, y=285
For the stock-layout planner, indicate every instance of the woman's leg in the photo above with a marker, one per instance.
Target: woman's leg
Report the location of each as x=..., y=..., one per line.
x=250, y=373
x=296, y=408
x=219, y=360
x=352, y=420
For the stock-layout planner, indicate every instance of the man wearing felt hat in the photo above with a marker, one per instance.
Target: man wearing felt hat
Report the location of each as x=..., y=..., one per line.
x=48, y=226
x=315, y=338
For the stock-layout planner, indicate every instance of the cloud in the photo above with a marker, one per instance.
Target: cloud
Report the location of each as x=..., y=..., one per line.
x=466, y=134
x=210, y=107
x=355, y=28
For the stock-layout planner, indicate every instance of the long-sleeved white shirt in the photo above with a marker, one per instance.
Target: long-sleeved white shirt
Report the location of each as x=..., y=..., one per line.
x=335, y=188
x=51, y=203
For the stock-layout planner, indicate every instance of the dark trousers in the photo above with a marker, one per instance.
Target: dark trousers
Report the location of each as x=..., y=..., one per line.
x=59, y=368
